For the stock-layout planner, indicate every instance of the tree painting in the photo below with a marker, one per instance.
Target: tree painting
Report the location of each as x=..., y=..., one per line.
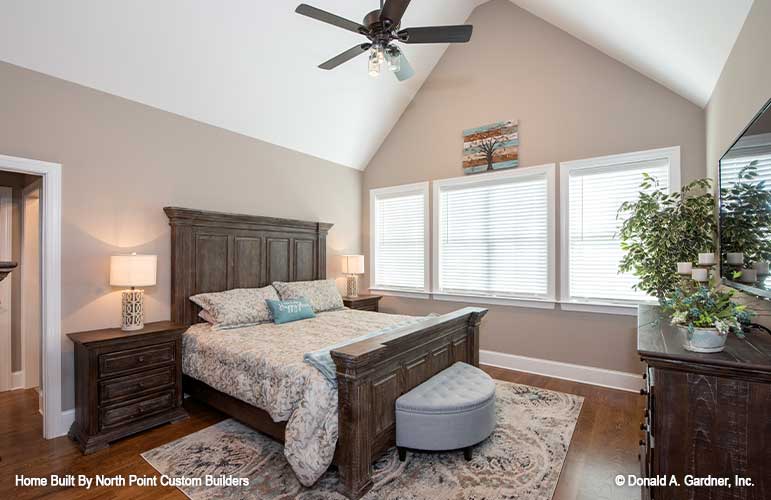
x=491, y=147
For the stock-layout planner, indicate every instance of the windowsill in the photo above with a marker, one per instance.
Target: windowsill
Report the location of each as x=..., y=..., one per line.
x=600, y=307
x=496, y=301
x=408, y=294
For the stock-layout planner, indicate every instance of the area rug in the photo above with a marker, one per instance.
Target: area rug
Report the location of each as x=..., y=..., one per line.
x=521, y=460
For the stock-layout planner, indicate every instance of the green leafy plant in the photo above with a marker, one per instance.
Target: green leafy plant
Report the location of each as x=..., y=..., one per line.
x=661, y=229
x=745, y=216
x=700, y=306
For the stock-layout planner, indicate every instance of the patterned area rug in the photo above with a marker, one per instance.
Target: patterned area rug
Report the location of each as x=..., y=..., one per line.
x=521, y=460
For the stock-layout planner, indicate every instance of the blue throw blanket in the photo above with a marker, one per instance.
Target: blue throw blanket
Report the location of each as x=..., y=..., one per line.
x=322, y=360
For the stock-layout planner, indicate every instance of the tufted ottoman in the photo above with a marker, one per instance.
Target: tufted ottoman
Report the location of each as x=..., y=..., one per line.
x=454, y=409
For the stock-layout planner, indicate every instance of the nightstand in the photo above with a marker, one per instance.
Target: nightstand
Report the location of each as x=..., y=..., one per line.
x=363, y=302
x=126, y=382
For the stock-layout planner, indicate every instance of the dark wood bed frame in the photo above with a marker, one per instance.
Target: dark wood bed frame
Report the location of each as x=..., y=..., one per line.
x=212, y=251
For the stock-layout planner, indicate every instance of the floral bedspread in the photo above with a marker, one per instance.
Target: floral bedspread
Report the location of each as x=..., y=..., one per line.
x=263, y=365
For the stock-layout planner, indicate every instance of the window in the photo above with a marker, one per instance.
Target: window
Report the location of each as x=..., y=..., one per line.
x=591, y=193
x=399, y=243
x=494, y=238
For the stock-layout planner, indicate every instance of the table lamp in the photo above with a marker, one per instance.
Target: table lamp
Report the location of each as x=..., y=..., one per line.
x=133, y=271
x=353, y=265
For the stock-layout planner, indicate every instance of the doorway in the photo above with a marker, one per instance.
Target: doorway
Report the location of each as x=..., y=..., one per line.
x=39, y=204
x=20, y=290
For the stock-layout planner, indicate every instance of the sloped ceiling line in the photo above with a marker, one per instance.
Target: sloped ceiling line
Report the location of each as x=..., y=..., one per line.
x=251, y=68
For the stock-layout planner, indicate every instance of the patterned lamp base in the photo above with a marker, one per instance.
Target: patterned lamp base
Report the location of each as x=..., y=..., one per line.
x=352, y=286
x=133, y=317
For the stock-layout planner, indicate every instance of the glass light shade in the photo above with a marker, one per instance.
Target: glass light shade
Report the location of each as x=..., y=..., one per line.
x=133, y=270
x=353, y=264
x=394, y=60
x=374, y=63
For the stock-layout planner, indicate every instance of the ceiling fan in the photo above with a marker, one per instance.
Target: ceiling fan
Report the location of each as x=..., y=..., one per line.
x=382, y=28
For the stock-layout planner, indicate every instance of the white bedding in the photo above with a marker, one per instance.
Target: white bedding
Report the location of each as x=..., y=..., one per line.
x=263, y=365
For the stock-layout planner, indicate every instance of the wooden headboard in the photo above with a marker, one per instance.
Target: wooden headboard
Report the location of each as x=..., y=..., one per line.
x=214, y=251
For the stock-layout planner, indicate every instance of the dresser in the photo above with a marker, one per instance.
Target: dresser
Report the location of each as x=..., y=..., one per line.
x=363, y=302
x=705, y=414
x=126, y=382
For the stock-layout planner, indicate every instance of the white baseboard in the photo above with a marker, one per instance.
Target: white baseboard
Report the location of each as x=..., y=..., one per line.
x=17, y=380
x=566, y=371
x=66, y=418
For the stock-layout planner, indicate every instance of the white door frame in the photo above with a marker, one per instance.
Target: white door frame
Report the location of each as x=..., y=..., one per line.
x=30, y=370
x=6, y=251
x=55, y=422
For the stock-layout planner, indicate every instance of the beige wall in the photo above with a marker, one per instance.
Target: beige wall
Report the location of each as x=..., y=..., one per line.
x=572, y=102
x=742, y=90
x=744, y=85
x=123, y=162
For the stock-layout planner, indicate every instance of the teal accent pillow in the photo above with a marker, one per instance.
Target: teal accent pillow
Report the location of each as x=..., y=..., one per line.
x=285, y=311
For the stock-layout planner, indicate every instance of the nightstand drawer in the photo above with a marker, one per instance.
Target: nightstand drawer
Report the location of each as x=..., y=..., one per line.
x=136, y=410
x=367, y=307
x=122, y=361
x=133, y=385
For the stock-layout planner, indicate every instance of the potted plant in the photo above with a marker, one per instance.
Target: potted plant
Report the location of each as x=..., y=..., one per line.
x=745, y=218
x=705, y=315
x=661, y=229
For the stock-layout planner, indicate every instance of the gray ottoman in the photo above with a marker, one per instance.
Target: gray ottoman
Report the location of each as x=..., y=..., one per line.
x=454, y=409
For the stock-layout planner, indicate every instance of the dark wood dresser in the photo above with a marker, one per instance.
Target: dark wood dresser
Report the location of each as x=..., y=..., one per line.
x=363, y=302
x=706, y=414
x=126, y=382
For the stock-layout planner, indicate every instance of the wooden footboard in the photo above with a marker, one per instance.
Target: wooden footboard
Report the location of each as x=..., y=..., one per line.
x=373, y=373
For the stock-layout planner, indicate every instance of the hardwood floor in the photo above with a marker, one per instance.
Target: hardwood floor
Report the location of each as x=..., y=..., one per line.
x=604, y=444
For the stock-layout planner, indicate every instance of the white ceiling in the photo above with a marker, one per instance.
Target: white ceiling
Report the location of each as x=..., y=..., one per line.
x=682, y=44
x=250, y=65
x=244, y=65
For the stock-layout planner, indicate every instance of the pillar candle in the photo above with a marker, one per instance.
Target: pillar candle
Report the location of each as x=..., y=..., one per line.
x=684, y=268
x=761, y=268
x=700, y=274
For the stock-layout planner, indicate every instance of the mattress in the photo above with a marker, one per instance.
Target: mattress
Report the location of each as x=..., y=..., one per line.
x=263, y=366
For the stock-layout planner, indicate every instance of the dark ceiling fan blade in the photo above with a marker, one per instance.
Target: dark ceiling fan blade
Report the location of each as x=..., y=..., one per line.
x=329, y=18
x=345, y=56
x=437, y=34
x=393, y=10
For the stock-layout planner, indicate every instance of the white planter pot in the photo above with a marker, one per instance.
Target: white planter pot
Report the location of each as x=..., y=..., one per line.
x=703, y=339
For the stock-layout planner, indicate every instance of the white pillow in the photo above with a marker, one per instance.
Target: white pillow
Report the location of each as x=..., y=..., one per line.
x=238, y=307
x=322, y=294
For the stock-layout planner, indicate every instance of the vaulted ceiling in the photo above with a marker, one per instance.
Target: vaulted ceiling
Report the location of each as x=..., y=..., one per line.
x=250, y=65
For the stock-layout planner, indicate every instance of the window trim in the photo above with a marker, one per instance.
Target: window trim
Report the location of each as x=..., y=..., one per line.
x=603, y=306
x=546, y=301
x=395, y=191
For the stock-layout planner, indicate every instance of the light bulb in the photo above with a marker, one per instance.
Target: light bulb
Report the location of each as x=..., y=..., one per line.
x=381, y=54
x=374, y=63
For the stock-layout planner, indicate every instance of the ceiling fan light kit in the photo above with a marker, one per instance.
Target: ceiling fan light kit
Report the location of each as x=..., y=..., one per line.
x=382, y=28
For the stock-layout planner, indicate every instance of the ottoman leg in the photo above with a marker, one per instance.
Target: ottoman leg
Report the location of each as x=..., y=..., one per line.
x=402, y=454
x=467, y=453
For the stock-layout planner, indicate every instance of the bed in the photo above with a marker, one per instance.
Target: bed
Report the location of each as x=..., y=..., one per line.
x=213, y=252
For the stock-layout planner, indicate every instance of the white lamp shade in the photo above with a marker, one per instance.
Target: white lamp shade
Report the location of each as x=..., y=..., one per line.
x=133, y=270
x=353, y=264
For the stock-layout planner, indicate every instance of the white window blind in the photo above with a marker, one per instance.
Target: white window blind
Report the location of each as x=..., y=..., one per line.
x=399, y=237
x=494, y=235
x=594, y=249
x=730, y=166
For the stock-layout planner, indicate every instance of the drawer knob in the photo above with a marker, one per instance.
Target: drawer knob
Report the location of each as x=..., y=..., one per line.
x=643, y=427
x=141, y=359
x=642, y=443
x=141, y=385
x=643, y=392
